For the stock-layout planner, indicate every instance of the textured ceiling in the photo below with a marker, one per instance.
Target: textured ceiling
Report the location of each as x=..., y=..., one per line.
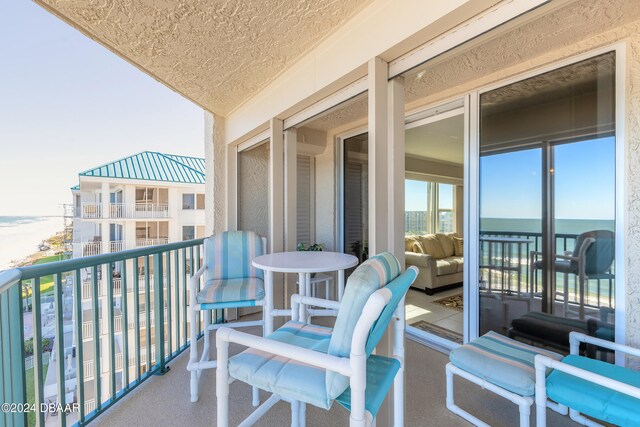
x=343, y=114
x=215, y=52
x=561, y=28
x=442, y=140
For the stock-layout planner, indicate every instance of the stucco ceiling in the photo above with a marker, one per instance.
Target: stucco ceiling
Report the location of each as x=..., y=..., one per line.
x=563, y=27
x=442, y=140
x=215, y=52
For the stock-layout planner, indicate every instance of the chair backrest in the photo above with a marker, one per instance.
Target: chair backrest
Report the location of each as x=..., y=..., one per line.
x=228, y=255
x=600, y=254
x=373, y=274
x=398, y=287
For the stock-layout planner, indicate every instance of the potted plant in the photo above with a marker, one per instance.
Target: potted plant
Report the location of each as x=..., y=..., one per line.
x=315, y=247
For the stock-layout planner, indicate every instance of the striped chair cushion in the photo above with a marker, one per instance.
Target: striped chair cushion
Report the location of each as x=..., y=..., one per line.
x=370, y=276
x=501, y=361
x=284, y=376
x=231, y=290
x=228, y=255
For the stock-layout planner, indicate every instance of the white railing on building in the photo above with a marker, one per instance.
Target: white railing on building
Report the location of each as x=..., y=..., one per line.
x=88, y=248
x=139, y=210
x=123, y=245
x=152, y=242
x=88, y=369
x=91, y=210
x=87, y=330
x=89, y=405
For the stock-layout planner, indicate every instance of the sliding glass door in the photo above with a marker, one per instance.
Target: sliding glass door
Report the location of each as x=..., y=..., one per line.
x=434, y=226
x=547, y=204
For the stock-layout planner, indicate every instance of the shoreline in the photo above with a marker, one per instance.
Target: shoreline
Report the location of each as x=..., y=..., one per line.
x=56, y=247
x=19, y=244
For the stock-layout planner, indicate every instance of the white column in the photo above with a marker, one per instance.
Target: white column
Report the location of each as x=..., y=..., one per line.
x=215, y=157
x=379, y=191
x=396, y=167
x=378, y=153
x=276, y=206
x=290, y=204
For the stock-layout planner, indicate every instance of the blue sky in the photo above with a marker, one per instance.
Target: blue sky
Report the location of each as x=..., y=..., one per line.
x=68, y=104
x=511, y=183
x=584, y=182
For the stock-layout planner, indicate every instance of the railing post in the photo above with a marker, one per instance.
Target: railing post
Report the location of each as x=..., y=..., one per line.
x=158, y=305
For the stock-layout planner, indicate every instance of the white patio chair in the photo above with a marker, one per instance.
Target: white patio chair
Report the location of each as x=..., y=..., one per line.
x=230, y=281
x=301, y=363
x=591, y=387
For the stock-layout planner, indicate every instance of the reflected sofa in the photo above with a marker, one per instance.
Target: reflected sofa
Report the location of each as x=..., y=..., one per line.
x=438, y=258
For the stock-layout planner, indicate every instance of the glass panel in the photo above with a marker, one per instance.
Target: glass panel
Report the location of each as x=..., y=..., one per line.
x=446, y=219
x=547, y=202
x=434, y=162
x=188, y=232
x=199, y=201
x=188, y=201
x=417, y=206
x=356, y=196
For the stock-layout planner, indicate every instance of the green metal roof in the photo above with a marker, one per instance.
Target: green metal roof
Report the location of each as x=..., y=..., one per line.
x=153, y=166
x=75, y=187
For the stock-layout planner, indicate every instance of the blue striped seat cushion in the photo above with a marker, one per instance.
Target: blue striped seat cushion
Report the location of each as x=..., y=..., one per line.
x=231, y=290
x=501, y=361
x=595, y=400
x=373, y=274
x=281, y=375
x=229, y=254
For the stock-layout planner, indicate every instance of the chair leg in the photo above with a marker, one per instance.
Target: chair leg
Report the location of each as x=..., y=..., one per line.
x=302, y=414
x=222, y=384
x=193, y=353
x=255, y=393
x=295, y=413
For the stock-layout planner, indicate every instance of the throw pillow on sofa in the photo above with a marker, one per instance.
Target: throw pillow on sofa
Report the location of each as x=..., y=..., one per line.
x=446, y=241
x=432, y=246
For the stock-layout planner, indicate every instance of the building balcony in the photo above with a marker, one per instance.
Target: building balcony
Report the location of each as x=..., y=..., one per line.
x=137, y=210
x=88, y=248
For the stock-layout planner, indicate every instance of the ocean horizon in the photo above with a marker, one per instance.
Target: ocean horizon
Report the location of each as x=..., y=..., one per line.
x=20, y=235
x=534, y=225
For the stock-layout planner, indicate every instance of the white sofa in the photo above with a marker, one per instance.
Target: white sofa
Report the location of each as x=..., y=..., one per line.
x=438, y=258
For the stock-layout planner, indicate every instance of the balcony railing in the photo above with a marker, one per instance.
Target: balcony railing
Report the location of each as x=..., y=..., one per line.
x=91, y=210
x=86, y=249
x=507, y=267
x=141, y=210
x=172, y=264
x=123, y=245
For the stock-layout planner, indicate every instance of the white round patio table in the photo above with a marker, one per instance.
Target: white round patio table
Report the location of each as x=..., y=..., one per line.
x=303, y=263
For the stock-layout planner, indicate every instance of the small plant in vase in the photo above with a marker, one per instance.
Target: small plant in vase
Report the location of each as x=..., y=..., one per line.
x=315, y=247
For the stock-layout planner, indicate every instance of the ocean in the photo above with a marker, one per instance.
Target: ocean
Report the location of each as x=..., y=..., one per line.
x=21, y=235
x=533, y=225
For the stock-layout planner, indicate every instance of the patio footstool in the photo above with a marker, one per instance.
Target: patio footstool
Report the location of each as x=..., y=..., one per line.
x=546, y=329
x=498, y=364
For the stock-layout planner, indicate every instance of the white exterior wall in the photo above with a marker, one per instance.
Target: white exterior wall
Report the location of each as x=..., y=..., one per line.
x=90, y=188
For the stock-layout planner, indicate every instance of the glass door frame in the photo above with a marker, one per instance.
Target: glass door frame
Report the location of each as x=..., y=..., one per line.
x=472, y=169
x=431, y=114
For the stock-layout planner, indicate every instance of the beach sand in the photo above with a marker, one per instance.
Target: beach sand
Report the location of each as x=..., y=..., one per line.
x=19, y=241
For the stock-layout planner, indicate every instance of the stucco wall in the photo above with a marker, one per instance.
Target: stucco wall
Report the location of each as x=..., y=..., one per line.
x=253, y=190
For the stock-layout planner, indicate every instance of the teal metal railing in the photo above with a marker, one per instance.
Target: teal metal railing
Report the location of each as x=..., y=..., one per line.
x=91, y=330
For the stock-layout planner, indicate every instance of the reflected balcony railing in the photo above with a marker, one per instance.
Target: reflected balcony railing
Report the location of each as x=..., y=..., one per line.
x=505, y=266
x=109, y=330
